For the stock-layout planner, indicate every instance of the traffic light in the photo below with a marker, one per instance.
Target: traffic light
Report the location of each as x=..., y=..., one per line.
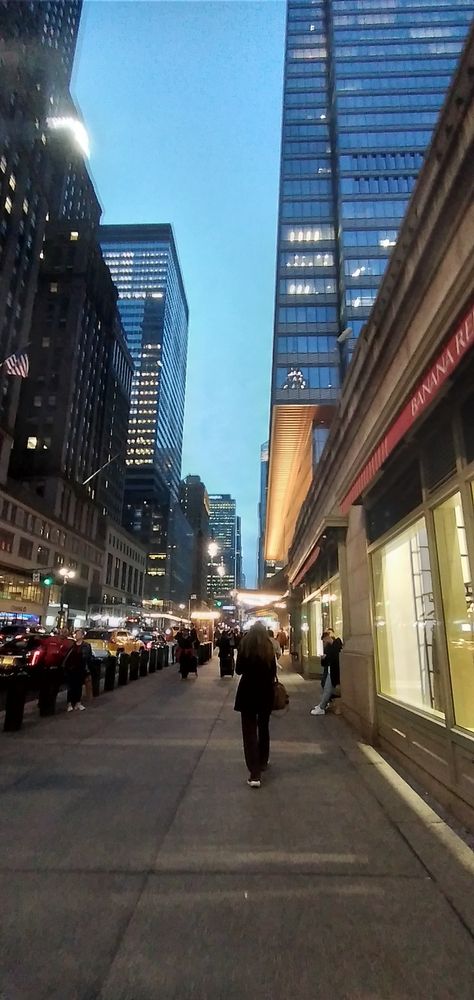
x=47, y=580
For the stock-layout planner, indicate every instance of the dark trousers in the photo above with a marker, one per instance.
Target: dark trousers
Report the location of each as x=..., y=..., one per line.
x=74, y=687
x=256, y=737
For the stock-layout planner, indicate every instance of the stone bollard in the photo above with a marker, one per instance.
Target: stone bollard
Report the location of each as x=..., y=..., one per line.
x=95, y=671
x=124, y=662
x=134, y=665
x=15, y=704
x=110, y=671
x=48, y=692
x=160, y=657
x=152, y=660
x=144, y=657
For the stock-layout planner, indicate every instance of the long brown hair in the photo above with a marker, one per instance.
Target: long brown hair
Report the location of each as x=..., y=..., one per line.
x=256, y=643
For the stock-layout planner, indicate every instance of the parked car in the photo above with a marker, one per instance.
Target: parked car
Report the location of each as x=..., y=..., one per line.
x=9, y=630
x=105, y=642
x=151, y=640
x=32, y=655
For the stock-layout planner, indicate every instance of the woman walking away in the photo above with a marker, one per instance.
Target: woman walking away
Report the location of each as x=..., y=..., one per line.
x=254, y=699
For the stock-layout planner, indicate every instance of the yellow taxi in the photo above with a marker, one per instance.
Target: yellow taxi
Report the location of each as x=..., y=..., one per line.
x=111, y=641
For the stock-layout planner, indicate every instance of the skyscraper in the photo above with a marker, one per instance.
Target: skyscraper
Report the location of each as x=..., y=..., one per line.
x=194, y=502
x=37, y=45
x=222, y=574
x=74, y=406
x=363, y=86
x=144, y=265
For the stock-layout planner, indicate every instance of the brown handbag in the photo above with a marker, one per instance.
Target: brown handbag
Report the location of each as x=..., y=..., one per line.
x=281, y=698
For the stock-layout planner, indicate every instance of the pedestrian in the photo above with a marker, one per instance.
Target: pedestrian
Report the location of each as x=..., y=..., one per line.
x=275, y=643
x=282, y=638
x=188, y=661
x=331, y=677
x=254, y=700
x=226, y=654
x=77, y=667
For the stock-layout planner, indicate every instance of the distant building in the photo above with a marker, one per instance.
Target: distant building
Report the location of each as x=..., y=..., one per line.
x=75, y=402
x=144, y=265
x=223, y=527
x=194, y=502
x=119, y=592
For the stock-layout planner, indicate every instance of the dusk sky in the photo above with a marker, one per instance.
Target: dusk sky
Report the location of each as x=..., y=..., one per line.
x=182, y=101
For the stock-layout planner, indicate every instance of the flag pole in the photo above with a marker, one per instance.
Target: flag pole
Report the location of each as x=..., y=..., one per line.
x=96, y=473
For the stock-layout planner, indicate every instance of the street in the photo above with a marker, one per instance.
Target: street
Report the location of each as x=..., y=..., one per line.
x=137, y=864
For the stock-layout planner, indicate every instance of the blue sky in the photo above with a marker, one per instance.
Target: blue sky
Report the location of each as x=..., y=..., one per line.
x=182, y=101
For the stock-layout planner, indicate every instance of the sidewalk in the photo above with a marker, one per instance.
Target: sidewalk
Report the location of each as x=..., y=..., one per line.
x=136, y=864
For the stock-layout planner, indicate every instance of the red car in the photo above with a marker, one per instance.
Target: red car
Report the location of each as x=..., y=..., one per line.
x=32, y=655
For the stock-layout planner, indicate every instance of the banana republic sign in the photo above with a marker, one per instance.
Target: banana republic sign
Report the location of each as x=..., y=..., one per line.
x=426, y=390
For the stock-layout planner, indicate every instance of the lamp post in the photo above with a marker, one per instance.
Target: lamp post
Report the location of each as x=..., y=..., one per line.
x=66, y=574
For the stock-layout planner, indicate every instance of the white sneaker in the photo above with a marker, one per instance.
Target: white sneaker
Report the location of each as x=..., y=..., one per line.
x=70, y=708
x=253, y=783
x=79, y=707
x=317, y=710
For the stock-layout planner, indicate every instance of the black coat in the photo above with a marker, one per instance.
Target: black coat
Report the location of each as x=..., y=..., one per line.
x=255, y=690
x=331, y=652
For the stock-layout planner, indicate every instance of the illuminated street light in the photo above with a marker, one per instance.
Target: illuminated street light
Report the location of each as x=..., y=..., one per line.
x=213, y=549
x=67, y=574
x=221, y=570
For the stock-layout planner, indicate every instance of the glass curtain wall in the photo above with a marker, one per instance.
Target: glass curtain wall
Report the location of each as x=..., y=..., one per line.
x=405, y=621
x=456, y=586
x=364, y=83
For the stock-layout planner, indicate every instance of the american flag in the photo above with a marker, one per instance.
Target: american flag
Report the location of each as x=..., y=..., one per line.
x=17, y=364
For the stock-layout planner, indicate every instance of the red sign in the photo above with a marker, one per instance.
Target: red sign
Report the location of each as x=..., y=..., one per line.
x=425, y=391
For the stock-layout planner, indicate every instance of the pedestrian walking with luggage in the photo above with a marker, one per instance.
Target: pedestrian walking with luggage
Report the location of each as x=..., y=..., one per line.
x=225, y=645
x=282, y=639
x=256, y=665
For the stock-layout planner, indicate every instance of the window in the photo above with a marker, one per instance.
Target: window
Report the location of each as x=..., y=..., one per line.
x=405, y=621
x=458, y=609
x=42, y=555
x=306, y=234
x=25, y=548
x=45, y=342
x=8, y=204
x=73, y=236
x=307, y=286
x=53, y=287
x=32, y=443
x=6, y=541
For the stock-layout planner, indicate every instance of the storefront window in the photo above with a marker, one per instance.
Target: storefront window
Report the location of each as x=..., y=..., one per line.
x=405, y=621
x=456, y=587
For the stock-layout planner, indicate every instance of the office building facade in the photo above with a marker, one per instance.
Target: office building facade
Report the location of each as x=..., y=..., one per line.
x=194, y=500
x=222, y=570
x=364, y=83
x=144, y=265
x=37, y=46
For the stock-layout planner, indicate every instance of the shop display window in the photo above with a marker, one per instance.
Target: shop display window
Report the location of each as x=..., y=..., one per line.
x=405, y=621
x=456, y=586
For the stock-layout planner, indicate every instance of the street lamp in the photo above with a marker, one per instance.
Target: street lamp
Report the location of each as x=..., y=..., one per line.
x=221, y=570
x=66, y=574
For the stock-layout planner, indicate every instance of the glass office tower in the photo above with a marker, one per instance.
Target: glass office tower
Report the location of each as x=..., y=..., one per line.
x=144, y=266
x=222, y=570
x=363, y=85
x=364, y=82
